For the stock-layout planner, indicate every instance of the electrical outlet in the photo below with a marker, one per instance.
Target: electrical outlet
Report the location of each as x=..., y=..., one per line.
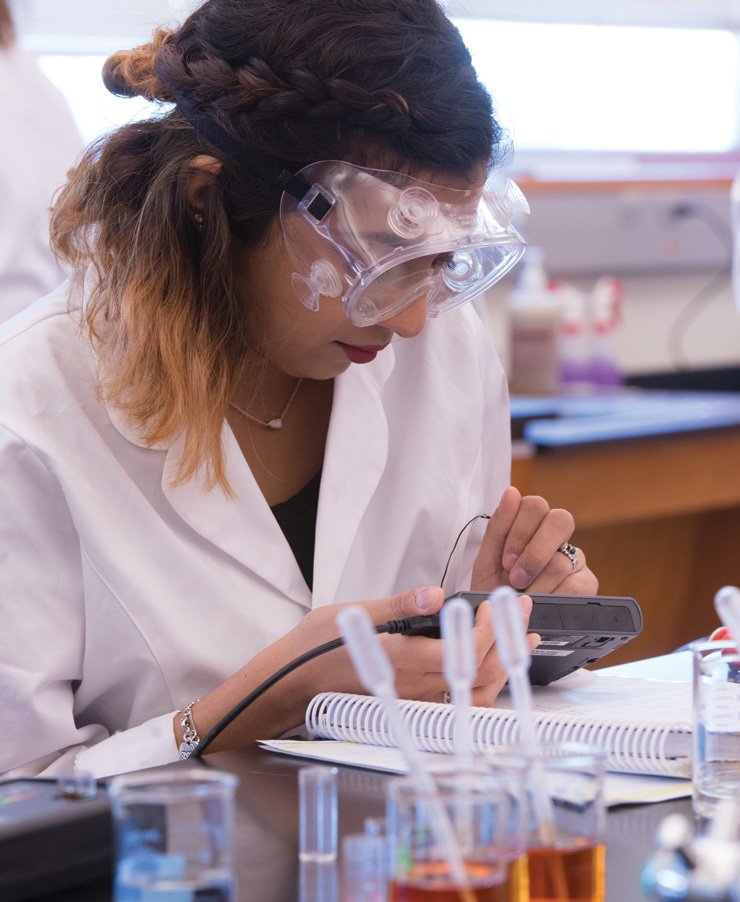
x=595, y=230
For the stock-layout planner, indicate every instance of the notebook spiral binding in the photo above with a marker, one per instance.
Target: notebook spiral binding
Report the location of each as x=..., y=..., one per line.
x=631, y=747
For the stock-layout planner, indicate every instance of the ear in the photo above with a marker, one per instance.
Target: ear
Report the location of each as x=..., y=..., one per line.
x=199, y=178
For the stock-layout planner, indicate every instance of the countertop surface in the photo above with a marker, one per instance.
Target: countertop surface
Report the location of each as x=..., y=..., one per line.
x=626, y=414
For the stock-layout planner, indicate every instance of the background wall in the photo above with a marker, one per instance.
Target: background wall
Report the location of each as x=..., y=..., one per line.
x=654, y=308
x=670, y=245
x=678, y=309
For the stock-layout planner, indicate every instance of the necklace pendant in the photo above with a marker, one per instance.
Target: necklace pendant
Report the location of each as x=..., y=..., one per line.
x=277, y=423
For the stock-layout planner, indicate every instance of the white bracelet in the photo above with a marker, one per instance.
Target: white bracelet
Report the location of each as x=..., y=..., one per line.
x=190, y=737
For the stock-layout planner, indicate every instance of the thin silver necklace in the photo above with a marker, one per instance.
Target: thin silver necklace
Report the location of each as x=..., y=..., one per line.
x=276, y=422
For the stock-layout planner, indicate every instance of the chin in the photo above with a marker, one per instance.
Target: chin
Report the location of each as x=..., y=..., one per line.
x=321, y=370
x=334, y=370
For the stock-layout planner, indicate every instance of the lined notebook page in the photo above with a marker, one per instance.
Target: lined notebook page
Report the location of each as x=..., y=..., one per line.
x=612, y=698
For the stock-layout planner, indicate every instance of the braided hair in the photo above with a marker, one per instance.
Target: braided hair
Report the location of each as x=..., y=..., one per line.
x=385, y=83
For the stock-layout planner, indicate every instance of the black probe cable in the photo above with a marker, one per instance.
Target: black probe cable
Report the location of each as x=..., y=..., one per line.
x=407, y=627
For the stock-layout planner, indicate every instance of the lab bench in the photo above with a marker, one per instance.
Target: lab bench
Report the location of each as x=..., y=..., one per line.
x=653, y=481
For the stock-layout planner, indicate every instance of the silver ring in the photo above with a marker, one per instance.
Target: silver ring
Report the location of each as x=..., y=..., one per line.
x=570, y=551
x=446, y=697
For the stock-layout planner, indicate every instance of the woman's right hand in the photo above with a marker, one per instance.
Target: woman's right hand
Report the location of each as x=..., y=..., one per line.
x=417, y=661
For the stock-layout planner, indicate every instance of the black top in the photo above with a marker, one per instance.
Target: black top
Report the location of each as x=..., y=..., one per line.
x=297, y=519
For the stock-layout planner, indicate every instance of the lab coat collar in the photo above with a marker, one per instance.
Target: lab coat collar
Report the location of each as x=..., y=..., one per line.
x=354, y=461
x=242, y=525
x=78, y=301
x=132, y=433
x=355, y=457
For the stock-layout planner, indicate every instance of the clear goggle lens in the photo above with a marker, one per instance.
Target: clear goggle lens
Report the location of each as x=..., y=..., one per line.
x=390, y=240
x=443, y=285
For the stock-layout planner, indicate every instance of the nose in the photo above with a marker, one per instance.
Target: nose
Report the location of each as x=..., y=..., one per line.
x=410, y=321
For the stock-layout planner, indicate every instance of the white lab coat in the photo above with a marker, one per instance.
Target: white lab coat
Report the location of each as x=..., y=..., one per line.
x=40, y=142
x=123, y=598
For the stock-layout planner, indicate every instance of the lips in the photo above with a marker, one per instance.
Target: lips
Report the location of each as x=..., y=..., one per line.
x=363, y=354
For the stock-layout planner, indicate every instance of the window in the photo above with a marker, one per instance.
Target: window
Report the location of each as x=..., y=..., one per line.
x=588, y=90
x=610, y=88
x=95, y=109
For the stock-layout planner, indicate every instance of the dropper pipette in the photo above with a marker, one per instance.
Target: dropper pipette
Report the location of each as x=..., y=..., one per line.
x=459, y=667
x=727, y=605
x=513, y=650
x=375, y=671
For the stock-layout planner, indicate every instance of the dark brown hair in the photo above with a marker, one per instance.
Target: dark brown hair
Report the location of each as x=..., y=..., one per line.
x=382, y=82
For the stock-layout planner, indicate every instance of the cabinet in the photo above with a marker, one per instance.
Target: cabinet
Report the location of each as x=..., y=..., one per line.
x=658, y=519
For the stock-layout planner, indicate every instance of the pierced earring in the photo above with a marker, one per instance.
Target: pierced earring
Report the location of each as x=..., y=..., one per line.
x=198, y=217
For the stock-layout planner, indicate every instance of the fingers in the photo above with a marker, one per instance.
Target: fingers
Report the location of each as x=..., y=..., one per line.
x=535, y=535
x=410, y=653
x=562, y=578
x=504, y=516
x=491, y=675
x=485, y=696
x=483, y=627
x=419, y=661
x=488, y=570
x=427, y=600
x=582, y=582
x=319, y=625
x=525, y=603
x=520, y=541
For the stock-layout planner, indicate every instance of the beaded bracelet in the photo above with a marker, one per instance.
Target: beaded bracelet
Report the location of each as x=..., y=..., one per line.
x=190, y=737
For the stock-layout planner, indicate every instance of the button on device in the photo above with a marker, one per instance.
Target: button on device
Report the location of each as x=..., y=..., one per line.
x=582, y=617
x=545, y=616
x=621, y=618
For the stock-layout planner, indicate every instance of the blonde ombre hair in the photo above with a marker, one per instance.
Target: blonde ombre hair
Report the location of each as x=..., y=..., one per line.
x=292, y=83
x=161, y=307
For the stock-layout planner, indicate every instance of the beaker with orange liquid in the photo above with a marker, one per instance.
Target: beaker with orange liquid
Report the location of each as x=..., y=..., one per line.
x=494, y=866
x=566, y=860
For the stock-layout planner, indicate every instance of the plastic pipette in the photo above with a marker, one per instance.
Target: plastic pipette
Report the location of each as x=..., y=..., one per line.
x=727, y=605
x=376, y=674
x=511, y=643
x=459, y=667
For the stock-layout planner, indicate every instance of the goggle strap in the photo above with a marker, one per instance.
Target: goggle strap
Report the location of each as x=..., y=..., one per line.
x=287, y=181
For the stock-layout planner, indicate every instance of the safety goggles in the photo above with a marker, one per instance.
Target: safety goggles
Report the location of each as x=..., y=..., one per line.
x=381, y=240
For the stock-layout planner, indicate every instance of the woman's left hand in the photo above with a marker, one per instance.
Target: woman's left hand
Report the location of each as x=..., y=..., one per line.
x=522, y=545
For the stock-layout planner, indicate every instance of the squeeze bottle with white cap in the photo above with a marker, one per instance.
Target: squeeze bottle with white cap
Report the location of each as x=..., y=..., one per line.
x=534, y=331
x=575, y=342
x=606, y=297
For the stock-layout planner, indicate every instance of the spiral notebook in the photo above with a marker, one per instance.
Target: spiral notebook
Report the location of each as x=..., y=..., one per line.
x=644, y=725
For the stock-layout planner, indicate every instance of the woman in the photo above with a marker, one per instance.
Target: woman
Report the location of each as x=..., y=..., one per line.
x=237, y=415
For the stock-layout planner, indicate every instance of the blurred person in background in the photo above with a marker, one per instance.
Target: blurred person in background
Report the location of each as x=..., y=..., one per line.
x=40, y=143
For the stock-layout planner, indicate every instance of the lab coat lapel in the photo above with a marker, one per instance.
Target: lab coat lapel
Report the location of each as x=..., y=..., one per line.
x=243, y=526
x=355, y=457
